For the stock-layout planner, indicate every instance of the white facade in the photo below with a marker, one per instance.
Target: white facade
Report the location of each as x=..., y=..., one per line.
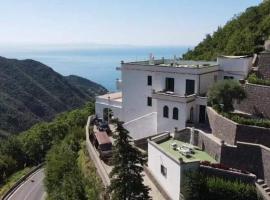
x=237, y=67
x=140, y=104
x=173, y=180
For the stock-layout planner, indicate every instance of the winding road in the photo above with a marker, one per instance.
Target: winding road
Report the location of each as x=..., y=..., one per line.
x=31, y=189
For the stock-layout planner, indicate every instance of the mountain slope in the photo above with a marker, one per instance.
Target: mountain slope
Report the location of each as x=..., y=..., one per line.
x=31, y=92
x=244, y=34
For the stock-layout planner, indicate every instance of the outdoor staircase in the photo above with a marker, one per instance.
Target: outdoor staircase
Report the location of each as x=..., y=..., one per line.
x=263, y=188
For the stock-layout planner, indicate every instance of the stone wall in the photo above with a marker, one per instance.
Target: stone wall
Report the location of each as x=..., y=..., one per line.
x=210, y=146
x=246, y=156
x=232, y=132
x=266, y=163
x=229, y=175
x=222, y=127
x=253, y=134
x=257, y=101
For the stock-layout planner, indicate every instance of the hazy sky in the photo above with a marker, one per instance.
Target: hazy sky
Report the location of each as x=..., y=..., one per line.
x=135, y=22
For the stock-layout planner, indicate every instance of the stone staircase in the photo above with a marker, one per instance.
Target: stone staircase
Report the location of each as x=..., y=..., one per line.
x=263, y=188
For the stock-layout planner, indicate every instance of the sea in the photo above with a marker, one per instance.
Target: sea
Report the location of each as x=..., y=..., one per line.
x=97, y=64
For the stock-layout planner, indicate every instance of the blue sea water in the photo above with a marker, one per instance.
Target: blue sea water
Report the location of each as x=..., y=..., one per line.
x=97, y=64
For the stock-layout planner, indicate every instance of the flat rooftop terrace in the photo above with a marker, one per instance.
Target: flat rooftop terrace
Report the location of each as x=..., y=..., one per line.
x=176, y=63
x=117, y=96
x=198, y=155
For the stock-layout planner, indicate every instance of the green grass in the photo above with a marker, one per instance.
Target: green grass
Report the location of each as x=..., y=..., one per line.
x=13, y=179
x=198, y=156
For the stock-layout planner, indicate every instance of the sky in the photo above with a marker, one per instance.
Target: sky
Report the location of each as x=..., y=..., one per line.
x=114, y=22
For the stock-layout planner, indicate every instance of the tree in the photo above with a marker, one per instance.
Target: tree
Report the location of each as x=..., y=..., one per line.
x=222, y=94
x=126, y=175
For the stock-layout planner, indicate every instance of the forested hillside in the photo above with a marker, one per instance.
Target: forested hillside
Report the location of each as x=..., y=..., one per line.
x=31, y=92
x=243, y=34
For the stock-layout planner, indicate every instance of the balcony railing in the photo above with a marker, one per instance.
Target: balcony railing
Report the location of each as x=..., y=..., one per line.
x=172, y=96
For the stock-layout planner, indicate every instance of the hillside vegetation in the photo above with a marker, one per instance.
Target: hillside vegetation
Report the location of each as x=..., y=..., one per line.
x=243, y=34
x=31, y=92
x=30, y=147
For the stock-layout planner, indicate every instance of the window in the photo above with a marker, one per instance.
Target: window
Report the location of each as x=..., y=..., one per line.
x=166, y=111
x=175, y=113
x=190, y=87
x=169, y=85
x=149, y=101
x=163, y=170
x=228, y=77
x=149, y=80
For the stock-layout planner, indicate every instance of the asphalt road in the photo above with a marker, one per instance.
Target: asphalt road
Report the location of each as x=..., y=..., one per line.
x=31, y=189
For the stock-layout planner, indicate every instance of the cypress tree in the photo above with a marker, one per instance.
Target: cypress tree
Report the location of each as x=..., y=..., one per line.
x=126, y=175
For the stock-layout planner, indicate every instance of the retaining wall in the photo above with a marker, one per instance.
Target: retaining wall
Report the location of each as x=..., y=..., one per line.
x=257, y=101
x=231, y=132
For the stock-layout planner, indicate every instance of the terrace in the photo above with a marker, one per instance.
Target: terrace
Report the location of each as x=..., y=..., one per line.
x=173, y=148
x=175, y=63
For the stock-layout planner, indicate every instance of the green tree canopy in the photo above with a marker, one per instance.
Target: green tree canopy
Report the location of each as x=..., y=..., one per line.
x=126, y=175
x=222, y=94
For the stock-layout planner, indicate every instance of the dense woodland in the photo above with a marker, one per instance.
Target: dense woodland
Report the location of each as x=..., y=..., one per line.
x=31, y=92
x=243, y=34
x=29, y=148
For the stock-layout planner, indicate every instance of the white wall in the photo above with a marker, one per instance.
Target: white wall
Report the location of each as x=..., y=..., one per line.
x=236, y=67
x=169, y=124
x=206, y=81
x=142, y=127
x=135, y=92
x=179, y=81
x=171, y=183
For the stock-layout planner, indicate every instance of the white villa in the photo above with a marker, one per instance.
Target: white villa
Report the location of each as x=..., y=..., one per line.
x=157, y=96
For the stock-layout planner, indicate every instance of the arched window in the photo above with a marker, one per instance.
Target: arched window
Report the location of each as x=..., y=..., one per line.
x=191, y=115
x=166, y=111
x=175, y=113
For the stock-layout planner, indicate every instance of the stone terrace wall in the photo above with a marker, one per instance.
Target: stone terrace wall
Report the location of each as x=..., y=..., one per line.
x=222, y=127
x=226, y=174
x=210, y=146
x=257, y=101
x=266, y=163
x=246, y=156
x=232, y=132
x=253, y=134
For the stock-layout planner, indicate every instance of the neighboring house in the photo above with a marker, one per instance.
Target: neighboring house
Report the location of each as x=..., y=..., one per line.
x=160, y=95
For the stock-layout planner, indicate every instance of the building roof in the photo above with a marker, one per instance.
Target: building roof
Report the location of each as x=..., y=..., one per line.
x=235, y=57
x=198, y=155
x=102, y=138
x=175, y=63
x=116, y=96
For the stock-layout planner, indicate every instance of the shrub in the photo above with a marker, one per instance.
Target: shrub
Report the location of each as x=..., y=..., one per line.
x=261, y=122
x=203, y=187
x=256, y=80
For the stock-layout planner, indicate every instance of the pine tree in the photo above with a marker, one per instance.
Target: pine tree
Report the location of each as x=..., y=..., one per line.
x=126, y=175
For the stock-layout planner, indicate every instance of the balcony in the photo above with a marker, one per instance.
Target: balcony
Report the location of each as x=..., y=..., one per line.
x=171, y=96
